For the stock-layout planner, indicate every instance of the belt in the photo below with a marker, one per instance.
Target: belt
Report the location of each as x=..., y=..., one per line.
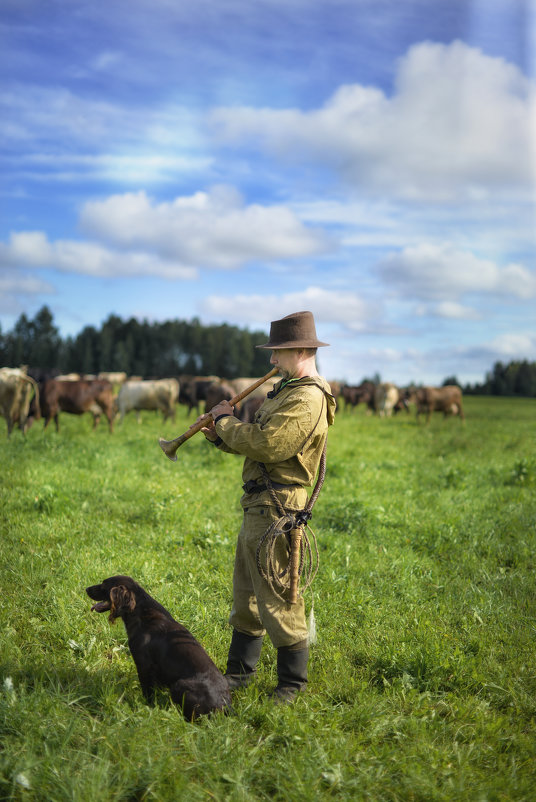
x=251, y=487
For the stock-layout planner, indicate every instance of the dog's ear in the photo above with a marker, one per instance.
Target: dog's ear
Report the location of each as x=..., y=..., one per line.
x=122, y=601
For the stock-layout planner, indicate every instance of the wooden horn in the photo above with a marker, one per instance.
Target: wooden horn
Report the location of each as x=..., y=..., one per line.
x=169, y=447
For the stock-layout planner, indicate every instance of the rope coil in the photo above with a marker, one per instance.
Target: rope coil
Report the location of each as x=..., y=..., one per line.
x=279, y=580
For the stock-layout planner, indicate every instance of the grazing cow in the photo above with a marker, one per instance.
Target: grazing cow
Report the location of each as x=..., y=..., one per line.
x=115, y=378
x=218, y=391
x=447, y=400
x=386, y=396
x=239, y=385
x=336, y=388
x=68, y=377
x=16, y=392
x=249, y=408
x=77, y=397
x=406, y=397
x=154, y=395
x=353, y=395
x=193, y=390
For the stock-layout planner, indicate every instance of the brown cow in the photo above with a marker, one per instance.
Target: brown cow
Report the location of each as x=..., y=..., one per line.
x=193, y=390
x=447, y=400
x=76, y=397
x=249, y=408
x=353, y=395
x=218, y=391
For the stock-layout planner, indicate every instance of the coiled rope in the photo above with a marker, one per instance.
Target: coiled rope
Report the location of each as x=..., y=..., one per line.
x=279, y=580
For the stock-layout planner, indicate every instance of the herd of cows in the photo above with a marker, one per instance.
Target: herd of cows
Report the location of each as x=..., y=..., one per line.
x=25, y=397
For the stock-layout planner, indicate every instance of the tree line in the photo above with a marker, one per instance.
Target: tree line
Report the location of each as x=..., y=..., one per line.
x=175, y=347
x=513, y=378
x=150, y=350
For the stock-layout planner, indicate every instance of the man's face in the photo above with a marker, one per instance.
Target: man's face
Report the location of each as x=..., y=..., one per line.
x=286, y=359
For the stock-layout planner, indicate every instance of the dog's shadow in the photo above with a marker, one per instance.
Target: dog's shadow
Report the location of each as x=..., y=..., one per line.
x=96, y=691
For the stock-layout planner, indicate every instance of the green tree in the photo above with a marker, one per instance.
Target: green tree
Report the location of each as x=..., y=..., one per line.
x=45, y=345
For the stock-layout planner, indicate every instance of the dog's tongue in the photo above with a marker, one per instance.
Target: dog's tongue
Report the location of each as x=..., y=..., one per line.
x=100, y=607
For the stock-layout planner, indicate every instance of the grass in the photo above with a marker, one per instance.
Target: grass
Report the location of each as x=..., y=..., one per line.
x=422, y=681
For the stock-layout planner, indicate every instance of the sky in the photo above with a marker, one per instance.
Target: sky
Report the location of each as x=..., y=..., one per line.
x=373, y=161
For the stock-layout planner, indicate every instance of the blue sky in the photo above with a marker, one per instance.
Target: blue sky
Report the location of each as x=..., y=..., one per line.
x=371, y=160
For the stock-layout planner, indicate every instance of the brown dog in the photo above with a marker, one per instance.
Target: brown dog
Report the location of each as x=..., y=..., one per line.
x=166, y=654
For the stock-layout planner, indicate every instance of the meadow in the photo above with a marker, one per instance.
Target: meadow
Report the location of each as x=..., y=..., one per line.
x=422, y=681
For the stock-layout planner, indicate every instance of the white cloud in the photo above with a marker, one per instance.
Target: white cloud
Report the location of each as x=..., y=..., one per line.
x=17, y=284
x=448, y=309
x=445, y=273
x=346, y=308
x=512, y=345
x=134, y=168
x=16, y=287
x=211, y=229
x=460, y=123
x=52, y=132
x=32, y=249
x=130, y=235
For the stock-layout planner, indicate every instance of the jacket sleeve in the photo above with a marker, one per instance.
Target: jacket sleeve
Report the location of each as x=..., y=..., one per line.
x=279, y=438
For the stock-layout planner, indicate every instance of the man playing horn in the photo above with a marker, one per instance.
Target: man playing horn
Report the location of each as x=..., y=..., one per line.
x=283, y=448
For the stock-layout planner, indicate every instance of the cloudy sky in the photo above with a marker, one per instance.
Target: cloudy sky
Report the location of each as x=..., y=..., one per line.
x=373, y=161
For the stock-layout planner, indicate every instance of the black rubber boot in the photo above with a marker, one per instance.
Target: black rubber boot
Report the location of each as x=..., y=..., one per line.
x=291, y=671
x=244, y=653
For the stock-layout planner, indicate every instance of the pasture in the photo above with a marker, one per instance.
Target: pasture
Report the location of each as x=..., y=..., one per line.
x=422, y=682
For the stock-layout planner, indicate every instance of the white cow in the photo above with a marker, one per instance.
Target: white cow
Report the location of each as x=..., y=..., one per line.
x=117, y=377
x=241, y=384
x=16, y=391
x=160, y=394
x=386, y=396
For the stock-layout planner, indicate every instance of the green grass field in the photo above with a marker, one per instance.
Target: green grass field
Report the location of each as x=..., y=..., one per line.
x=423, y=678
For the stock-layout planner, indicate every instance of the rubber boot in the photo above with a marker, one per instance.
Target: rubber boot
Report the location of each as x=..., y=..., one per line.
x=291, y=671
x=244, y=653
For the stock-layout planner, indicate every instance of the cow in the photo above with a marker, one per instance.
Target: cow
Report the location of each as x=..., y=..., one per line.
x=249, y=409
x=336, y=388
x=447, y=400
x=239, y=385
x=219, y=391
x=16, y=392
x=154, y=395
x=68, y=377
x=115, y=378
x=77, y=397
x=193, y=390
x=407, y=396
x=353, y=395
x=386, y=396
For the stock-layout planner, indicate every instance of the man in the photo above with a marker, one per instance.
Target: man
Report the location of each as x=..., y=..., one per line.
x=287, y=439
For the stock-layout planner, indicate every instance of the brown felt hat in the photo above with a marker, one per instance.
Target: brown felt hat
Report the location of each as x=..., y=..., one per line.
x=293, y=331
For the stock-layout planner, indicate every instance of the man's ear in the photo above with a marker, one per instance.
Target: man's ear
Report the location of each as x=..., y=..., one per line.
x=122, y=601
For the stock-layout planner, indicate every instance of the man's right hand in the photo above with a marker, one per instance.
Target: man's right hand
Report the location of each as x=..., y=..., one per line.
x=209, y=431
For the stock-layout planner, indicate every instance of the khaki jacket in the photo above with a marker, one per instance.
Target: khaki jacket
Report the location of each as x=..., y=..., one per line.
x=287, y=435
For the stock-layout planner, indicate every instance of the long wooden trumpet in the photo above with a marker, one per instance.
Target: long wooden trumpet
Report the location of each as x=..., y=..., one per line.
x=169, y=447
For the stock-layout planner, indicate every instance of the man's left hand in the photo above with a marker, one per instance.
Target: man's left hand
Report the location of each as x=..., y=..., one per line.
x=223, y=408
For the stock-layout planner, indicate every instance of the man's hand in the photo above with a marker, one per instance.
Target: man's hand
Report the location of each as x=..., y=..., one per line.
x=209, y=431
x=223, y=408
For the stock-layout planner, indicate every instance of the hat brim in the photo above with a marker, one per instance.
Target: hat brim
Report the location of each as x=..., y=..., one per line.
x=293, y=344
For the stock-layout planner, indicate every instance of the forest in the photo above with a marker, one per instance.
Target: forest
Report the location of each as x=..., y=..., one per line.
x=175, y=347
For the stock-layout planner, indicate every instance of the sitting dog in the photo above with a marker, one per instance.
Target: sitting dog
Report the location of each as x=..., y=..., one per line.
x=166, y=654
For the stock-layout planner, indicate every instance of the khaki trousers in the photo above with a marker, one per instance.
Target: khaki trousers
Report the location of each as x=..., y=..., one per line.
x=256, y=609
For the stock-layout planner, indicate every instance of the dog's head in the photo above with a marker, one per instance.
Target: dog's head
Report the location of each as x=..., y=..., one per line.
x=117, y=594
